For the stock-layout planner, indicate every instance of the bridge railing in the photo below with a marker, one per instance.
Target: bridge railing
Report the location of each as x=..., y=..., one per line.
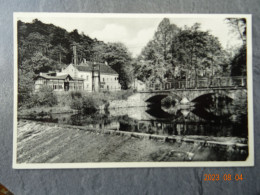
x=222, y=82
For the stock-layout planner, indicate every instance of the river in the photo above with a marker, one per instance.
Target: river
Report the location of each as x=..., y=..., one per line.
x=226, y=121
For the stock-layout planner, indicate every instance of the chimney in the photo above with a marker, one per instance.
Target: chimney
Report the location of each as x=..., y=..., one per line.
x=40, y=73
x=106, y=63
x=74, y=54
x=84, y=61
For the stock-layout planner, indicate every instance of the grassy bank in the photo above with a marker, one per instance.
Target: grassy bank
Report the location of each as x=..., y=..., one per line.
x=46, y=102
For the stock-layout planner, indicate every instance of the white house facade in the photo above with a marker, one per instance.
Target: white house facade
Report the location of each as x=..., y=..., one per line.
x=108, y=77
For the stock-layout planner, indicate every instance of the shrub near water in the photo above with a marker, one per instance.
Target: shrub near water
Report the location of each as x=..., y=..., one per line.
x=91, y=102
x=44, y=97
x=76, y=100
x=88, y=103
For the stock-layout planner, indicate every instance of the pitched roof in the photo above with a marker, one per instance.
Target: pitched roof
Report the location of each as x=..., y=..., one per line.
x=61, y=77
x=87, y=67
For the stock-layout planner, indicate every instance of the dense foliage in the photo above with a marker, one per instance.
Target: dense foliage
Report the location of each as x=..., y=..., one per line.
x=238, y=28
x=190, y=53
x=45, y=47
x=91, y=102
x=173, y=53
x=44, y=97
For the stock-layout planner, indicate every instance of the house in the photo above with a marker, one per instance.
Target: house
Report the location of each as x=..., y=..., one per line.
x=108, y=78
x=58, y=82
x=138, y=85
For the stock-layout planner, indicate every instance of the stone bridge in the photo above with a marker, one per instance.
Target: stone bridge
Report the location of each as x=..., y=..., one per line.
x=145, y=98
x=190, y=94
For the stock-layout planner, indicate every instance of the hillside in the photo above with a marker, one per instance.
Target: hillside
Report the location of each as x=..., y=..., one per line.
x=44, y=47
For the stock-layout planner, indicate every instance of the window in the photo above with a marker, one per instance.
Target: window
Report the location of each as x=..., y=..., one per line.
x=103, y=79
x=87, y=78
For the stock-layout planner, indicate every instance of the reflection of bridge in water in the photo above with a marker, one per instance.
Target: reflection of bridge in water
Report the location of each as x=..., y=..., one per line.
x=182, y=123
x=188, y=124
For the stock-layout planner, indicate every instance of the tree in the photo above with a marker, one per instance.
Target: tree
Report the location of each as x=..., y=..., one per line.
x=38, y=63
x=58, y=53
x=118, y=57
x=239, y=61
x=195, y=50
x=25, y=86
x=156, y=58
x=238, y=26
x=45, y=47
x=163, y=38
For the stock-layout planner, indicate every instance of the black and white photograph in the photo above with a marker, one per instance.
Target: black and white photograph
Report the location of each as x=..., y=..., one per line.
x=132, y=90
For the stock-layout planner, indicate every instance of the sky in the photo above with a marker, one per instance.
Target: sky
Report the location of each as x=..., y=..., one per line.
x=135, y=32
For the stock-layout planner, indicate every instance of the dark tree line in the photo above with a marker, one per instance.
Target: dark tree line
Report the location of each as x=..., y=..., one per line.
x=46, y=47
x=173, y=53
x=238, y=28
x=190, y=53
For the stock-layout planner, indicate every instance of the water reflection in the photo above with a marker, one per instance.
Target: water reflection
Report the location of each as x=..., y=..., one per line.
x=207, y=116
x=163, y=121
x=217, y=120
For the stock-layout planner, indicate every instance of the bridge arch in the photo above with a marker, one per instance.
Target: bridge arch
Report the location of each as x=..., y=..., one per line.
x=156, y=97
x=191, y=95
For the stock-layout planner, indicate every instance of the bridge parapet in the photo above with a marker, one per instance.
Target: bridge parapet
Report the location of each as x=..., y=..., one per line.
x=218, y=82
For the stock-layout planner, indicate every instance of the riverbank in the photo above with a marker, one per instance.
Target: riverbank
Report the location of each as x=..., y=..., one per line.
x=74, y=102
x=39, y=142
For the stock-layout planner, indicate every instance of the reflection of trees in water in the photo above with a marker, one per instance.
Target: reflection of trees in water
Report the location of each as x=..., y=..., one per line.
x=220, y=105
x=228, y=120
x=95, y=120
x=196, y=122
x=188, y=128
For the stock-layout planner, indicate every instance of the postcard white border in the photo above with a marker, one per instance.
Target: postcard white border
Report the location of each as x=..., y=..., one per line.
x=248, y=162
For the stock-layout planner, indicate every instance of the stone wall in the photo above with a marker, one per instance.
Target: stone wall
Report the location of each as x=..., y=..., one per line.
x=135, y=100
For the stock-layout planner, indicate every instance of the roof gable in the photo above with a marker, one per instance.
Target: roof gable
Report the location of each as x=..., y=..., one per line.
x=87, y=67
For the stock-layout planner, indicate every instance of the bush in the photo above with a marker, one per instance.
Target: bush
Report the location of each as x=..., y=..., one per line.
x=90, y=104
x=75, y=94
x=44, y=97
x=76, y=104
